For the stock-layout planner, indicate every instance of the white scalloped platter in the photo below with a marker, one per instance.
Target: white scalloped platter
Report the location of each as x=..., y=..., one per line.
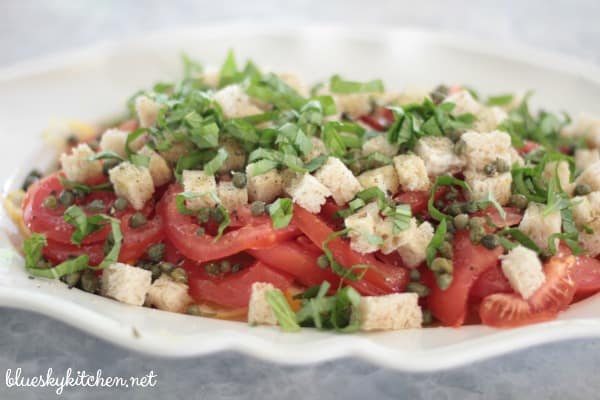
x=93, y=84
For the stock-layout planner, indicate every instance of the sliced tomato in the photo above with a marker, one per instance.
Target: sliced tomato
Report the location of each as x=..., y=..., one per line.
x=299, y=262
x=586, y=275
x=513, y=216
x=328, y=214
x=380, y=119
x=418, y=200
x=385, y=278
x=504, y=310
x=234, y=290
x=490, y=282
x=528, y=147
x=258, y=233
x=470, y=261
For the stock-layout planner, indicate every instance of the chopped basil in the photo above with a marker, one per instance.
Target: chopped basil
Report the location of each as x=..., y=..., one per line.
x=343, y=272
x=443, y=180
x=436, y=241
x=32, y=247
x=500, y=100
x=212, y=166
x=338, y=85
x=86, y=189
x=106, y=155
x=282, y=310
x=140, y=160
x=77, y=264
x=281, y=212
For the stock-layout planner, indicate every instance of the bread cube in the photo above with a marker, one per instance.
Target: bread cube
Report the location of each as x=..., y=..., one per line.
x=318, y=149
x=126, y=283
x=412, y=173
x=498, y=185
x=560, y=170
x=480, y=149
x=489, y=118
x=362, y=225
x=590, y=176
x=524, y=271
x=306, y=191
x=114, y=140
x=259, y=310
x=390, y=312
x=264, y=187
x=235, y=103
x=353, y=104
x=379, y=144
x=202, y=185
x=175, y=152
x=539, y=227
x=586, y=157
x=159, y=169
x=168, y=295
x=464, y=103
x=339, y=180
x=591, y=241
x=133, y=183
x=147, y=111
x=385, y=178
x=231, y=197
x=438, y=154
x=413, y=250
x=77, y=166
x=236, y=156
x=392, y=241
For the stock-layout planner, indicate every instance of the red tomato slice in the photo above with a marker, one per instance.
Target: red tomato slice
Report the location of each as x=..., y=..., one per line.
x=504, y=310
x=418, y=200
x=136, y=242
x=513, y=216
x=181, y=230
x=328, y=212
x=470, y=261
x=234, y=290
x=528, y=147
x=385, y=278
x=299, y=262
x=379, y=120
x=586, y=275
x=490, y=282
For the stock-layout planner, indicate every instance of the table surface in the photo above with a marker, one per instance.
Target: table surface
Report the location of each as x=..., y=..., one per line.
x=34, y=343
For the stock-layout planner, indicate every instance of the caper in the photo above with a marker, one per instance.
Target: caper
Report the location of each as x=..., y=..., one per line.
x=477, y=234
x=156, y=271
x=455, y=209
x=443, y=280
x=216, y=215
x=476, y=222
x=32, y=178
x=469, y=207
x=43, y=263
x=439, y=94
x=418, y=288
x=225, y=266
x=442, y=265
x=582, y=189
x=451, y=195
x=439, y=204
x=322, y=261
x=449, y=237
x=415, y=275
x=51, y=202
x=156, y=252
x=519, y=201
x=490, y=169
x=200, y=231
x=96, y=205
x=72, y=279
x=257, y=208
x=179, y=275
x=137, y=220
x=239, y=180
x=212, y=268
x=460, y=147
x=109, y=164
x=203, y=215
x=193, y=309
x=121, y=204
x=236, y=267
x=166, y=267
x=89, y=281
x=490, y=241
x=461, y=221
x=427, y=317
x=454, y=135
x=502, y=166
x=446, y=250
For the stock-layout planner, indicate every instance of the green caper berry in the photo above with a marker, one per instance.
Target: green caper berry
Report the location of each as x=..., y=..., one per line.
x=519, y=201
x=51, y=202
x=443, y=280
x=257, y=208
x=156, y=252
x=216, y=215
x=477, y=234
x=439, y=94
x=582, y=189
x=449, y=237
x=225, y=266
x=166, y=267
x=418, y=288
x=179, y=275
x=322, y=261
x=156, y=271
x=490, y=241
x=43, y=263
x=415, y=275
x=109, y=164
x=451, y=228
x=454, y=135
x=427, y=317
x=454, y=209
x=446, y=250
x=451, y=195
x=442, y=265
x=96, y=205
x=239, y=180
x=212, y=268
x=460, y=147
x=72, y=279
x=137, y=220
x=89, y=281
x=502, y=166
x=469, y=207
x=32, y=178
x=439, y=204
x=476, y=222
x=490, y=169
x=236, y=267
x=461, y=221
x=193, y=309
x=200, y=231
x=121, y=204
x=203, y=215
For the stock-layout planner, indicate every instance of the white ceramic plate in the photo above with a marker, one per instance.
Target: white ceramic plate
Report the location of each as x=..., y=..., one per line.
x=92, y=85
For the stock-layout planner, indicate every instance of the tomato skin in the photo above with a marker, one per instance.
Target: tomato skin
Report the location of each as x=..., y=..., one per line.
x=299, y=262
x=380, y=119
x=181, y=230
x=528, y=147
x=513, y=216
x=386, y=278
x=234, y=290
x=490, y=282
x=586, y=275
x=418, y=200
x=470, y=261
x=505, y=310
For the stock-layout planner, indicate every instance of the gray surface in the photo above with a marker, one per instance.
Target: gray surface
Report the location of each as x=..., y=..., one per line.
x=35, y=343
